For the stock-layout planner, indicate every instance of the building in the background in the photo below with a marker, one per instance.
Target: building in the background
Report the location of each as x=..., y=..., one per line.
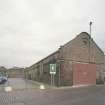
x=78, y=62
x=15, y=72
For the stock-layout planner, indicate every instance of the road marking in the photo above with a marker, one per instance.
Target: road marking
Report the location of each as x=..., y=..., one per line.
x=8, y=89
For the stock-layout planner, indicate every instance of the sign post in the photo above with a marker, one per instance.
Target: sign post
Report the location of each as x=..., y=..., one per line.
x=52, y=73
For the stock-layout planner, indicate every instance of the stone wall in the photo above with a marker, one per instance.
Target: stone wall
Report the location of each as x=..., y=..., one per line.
x=15, y=73
x=84, y=50
x=41, y=70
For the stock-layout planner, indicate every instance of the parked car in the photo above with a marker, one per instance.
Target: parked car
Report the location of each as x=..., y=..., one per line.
x=3, y=79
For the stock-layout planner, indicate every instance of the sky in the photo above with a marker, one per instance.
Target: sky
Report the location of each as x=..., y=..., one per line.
x=32, y=29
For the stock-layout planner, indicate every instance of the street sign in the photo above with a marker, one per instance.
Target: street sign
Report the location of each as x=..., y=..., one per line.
x=52, y=68
x=52, y=72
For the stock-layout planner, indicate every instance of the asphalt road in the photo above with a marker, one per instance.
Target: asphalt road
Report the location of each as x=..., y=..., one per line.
x=94, y=95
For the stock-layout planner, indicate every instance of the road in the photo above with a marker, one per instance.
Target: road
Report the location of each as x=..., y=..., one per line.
x=93, y=95
x=21, y=84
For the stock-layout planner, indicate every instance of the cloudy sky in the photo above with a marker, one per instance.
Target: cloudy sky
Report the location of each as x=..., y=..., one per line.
x=32, y=29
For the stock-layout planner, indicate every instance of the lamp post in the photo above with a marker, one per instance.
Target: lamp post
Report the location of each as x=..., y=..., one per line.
x=90, y=25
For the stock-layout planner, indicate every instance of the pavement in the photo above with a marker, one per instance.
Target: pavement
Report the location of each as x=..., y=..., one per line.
x=90, y=95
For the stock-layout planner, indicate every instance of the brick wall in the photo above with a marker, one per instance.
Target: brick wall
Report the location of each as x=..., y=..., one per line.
x=84, y=74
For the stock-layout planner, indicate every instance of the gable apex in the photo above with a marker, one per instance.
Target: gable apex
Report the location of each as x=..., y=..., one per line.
x=83, y=34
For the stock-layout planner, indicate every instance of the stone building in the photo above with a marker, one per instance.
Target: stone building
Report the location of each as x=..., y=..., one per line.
x=15, y=72
x=79, y=62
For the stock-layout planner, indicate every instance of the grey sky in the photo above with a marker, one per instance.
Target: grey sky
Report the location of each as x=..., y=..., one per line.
x=32, y=29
